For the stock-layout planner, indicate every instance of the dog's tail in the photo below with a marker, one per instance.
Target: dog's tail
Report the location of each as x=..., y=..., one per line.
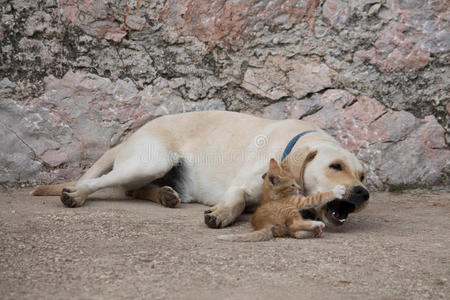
x=255, y=236
x=51, y=190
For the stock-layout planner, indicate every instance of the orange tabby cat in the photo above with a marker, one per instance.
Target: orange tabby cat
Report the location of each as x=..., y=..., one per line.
x=278, y=215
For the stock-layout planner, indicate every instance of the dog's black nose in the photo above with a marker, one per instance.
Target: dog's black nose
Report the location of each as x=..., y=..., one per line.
x=360, y=192
x=358, y=195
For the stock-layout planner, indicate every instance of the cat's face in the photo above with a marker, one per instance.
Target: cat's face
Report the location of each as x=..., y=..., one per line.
x=280, y=182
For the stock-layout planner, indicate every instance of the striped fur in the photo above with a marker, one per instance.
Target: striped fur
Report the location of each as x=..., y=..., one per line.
x=278, y=215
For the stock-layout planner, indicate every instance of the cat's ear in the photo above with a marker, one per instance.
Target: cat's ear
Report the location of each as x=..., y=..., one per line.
x=273, y=166
x=274, y=179
x=274, y=172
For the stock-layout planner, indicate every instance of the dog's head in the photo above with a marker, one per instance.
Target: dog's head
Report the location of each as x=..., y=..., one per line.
x=320, y=170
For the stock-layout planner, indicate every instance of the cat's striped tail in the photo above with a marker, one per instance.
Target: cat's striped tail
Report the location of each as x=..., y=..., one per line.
x=255, y=236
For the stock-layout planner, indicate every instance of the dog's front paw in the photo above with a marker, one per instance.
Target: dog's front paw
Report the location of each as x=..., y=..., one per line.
x=218, y=217
x=339, y=191
x=71, y=197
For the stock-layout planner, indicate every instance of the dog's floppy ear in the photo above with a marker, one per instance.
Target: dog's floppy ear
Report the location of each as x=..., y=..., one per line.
x=298, y=160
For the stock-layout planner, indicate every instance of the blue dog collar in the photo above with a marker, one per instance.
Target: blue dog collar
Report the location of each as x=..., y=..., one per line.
x=291, y=145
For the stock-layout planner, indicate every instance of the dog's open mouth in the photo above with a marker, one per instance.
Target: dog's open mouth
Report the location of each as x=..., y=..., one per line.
x=337, y=211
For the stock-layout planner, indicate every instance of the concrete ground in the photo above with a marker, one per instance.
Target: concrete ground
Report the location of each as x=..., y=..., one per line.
x=398, y=248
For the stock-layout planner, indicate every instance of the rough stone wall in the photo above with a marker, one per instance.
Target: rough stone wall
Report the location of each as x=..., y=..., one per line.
x=77, y=76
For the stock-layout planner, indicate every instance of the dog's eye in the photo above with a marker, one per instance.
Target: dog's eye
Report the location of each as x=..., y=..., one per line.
x=337, y=167
x=361, y=178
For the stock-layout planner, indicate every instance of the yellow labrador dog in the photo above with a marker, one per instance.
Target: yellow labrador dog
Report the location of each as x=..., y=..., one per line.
x=218, y=159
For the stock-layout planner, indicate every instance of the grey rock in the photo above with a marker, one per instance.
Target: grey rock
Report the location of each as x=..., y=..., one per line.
x=77, y=119
x=17, y=158
x=79, y=76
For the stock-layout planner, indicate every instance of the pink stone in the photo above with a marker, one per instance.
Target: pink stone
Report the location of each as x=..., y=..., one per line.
x=364, y=111
x=433, y=133
x=93, y=17
x=351, y=125
x=265, y=82
x=280, y=77
x=135, y=22
x=115, y=35
x=336, y=12
x=222, y=22
x=410, y=38
x=305, y=78
x=339, y=98
x=54, y=157
x=434, y=151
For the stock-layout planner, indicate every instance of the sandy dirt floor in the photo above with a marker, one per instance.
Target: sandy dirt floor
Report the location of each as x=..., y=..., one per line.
x=398, y=248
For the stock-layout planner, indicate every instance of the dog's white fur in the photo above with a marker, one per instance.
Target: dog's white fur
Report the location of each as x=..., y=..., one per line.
x=225, y=154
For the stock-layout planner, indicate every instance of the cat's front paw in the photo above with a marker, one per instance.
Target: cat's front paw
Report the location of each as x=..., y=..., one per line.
x=317, y=228
x=339, y=191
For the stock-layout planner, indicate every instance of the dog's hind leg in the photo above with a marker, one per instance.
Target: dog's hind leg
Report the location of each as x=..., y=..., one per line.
x=103, y=165
x=136, y=164
x=164, y=195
